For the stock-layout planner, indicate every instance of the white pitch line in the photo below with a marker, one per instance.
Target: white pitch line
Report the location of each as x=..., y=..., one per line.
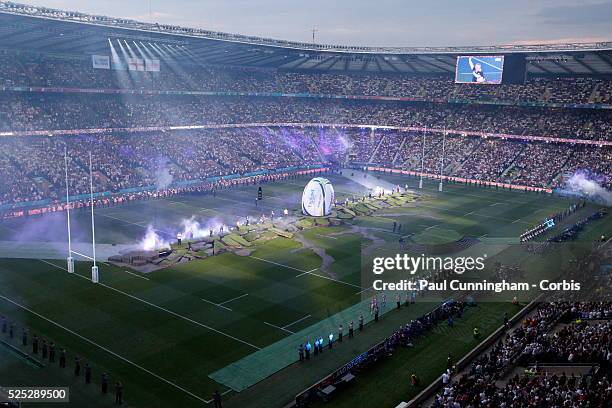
x=297, y=321
x=243, y=192
x=163, y=309
x=278, y=264
x=433, y=226
x=217, y=304
x=58, y=267
x=474, y=213
x=483, y=235
x=305, y=272
x=136, y=275
x=332, y=279
x=517, y=220
x=279, y=328
x=364, y=290
x=326, y=236
x=232, y=299
x=133, y=223
x=178, y=387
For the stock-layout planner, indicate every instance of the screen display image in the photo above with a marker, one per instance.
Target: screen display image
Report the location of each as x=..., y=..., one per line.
x=479, y=69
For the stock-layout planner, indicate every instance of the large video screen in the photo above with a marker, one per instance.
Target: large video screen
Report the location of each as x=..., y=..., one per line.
x=479, y=69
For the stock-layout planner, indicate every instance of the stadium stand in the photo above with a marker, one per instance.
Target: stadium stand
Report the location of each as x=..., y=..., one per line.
x=34, y=70
x=200, y=122
x=134, y=112
x=537, y=342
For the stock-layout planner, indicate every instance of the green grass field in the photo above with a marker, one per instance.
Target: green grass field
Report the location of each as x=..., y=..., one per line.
x=163, y=333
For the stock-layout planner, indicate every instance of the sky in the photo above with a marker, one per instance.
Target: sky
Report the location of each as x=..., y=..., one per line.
x=374, y=22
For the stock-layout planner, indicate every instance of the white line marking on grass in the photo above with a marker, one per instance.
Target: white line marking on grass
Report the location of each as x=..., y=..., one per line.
x=228, y=199
x=297, y=321
x=515, y=221
x=136, y=275
x=258, y=205
x=279, y=328
x=483, y=235
x=57, y=266
x=303, y=272
x=138, y=224
x=497, y=218
x=433, y=226
x=365, y=290
x=332, y=279
x=326, y=236
x=217, y=304
x=161, y=308
x=479, y=196
x=232, y=299
x=278, y=264
x=270, y=198
x=470, y=213
x=306, y=272
x=178, y=387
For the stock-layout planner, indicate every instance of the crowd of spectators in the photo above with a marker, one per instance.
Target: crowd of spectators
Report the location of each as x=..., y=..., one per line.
x=33, y=166
x=182, y=73
x=508, y=161
x=536, y=342
x=22, y=111
x=546, y=390
x=27, y=112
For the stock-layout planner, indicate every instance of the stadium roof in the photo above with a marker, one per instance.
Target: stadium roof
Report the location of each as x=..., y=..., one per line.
x=40, y=29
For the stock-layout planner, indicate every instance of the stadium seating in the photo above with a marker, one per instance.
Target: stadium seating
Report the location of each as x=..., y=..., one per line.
x=50, y=71
x=125, y=159
x=536, y=342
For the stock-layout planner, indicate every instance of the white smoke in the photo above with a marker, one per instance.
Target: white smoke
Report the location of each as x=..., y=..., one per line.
x=370, y=182
x=163, y=178
x=580, y=183
x=153, y=241
x=193, y=230
x=190, y=229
